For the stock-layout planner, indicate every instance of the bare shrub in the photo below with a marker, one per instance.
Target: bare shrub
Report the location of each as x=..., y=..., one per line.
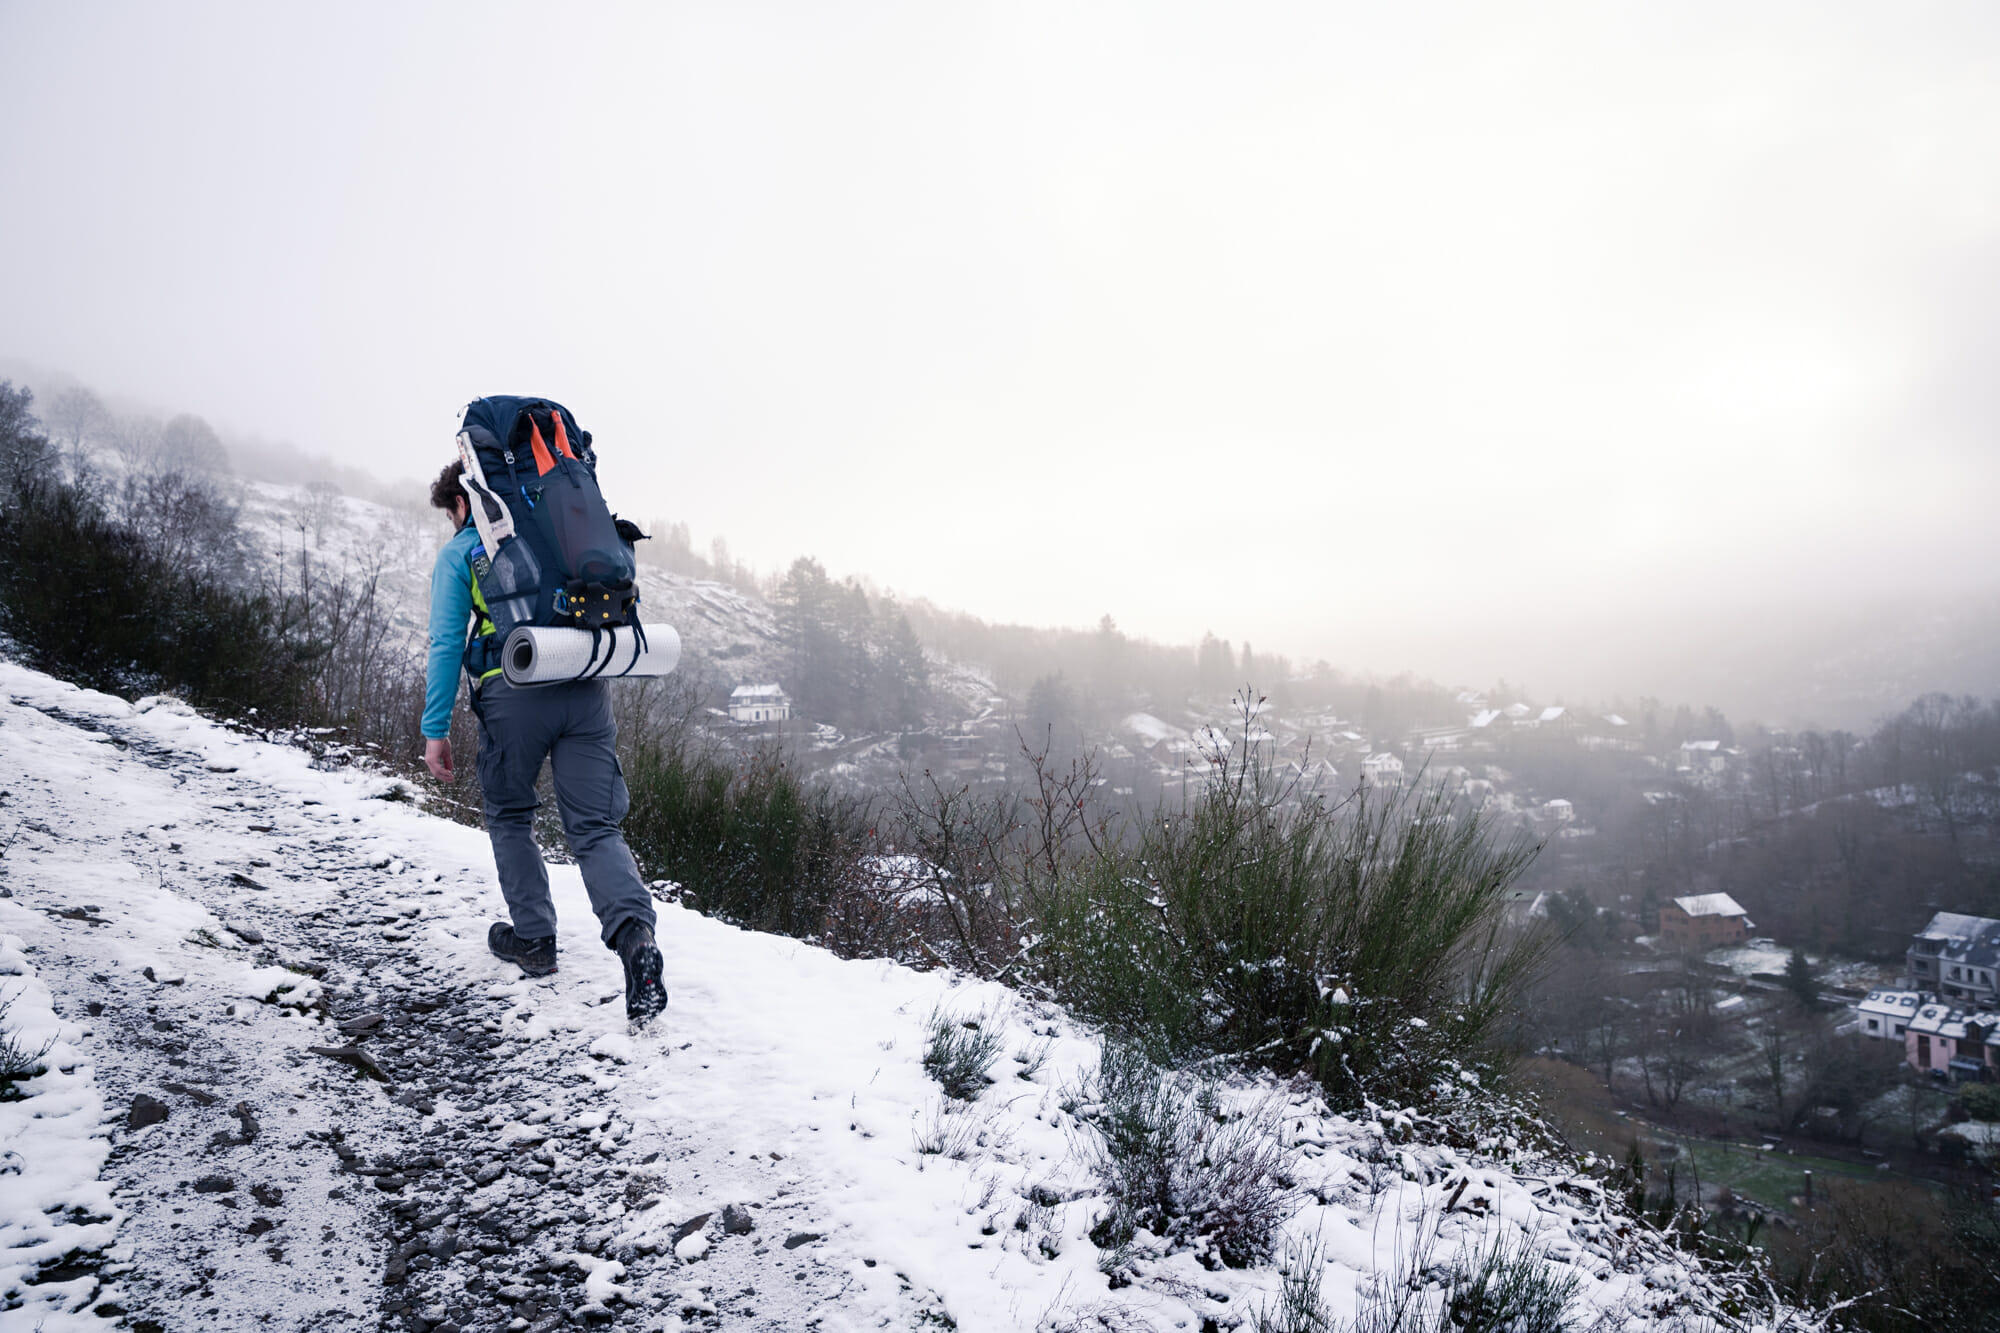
x=1300, y=1308
x=869, y=917
x=979, y=865
x=955, y=1130
x=1507, y=1288
x=959, y=1052
x=950, y=845
x=1893, y=1259
x=18, y=1060
x=1502, y=1286
x=1172, y=1163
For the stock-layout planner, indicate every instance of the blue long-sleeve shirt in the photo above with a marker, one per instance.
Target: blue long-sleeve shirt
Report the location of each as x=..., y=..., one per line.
x=451, y=616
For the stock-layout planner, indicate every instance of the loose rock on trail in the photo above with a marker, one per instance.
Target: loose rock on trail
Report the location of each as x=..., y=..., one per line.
x=286, y=1085
x=324, y=1107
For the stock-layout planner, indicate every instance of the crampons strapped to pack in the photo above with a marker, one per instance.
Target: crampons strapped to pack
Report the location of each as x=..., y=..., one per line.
x=550, y=551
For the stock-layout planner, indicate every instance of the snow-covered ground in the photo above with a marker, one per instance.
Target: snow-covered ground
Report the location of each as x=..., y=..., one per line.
x=1762, y=957
x=288, y=1088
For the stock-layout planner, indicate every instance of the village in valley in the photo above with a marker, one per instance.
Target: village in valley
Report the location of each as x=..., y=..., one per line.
x=1767, y=935
x=1773, y=951
x=1739, y=993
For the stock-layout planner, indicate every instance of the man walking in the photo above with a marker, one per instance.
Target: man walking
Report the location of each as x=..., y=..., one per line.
x=570, y=725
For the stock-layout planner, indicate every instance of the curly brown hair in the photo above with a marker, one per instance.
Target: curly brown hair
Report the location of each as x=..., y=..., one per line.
x=445, y=491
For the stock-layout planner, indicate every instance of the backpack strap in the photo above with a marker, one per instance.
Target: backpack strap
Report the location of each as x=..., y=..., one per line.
x=489, y=514
x=480, y=656
x=592, y=673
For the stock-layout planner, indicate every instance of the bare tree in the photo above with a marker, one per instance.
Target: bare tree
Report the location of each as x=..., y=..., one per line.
x=1606, y=1033
x=137, y=439
x=957, y=840
x=322, y=508
x=78, y=419
x=1934, y=731
x=1676, y=1036
x=189, y=444
x=184, y=519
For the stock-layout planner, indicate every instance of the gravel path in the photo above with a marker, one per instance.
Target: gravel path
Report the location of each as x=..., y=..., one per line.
x=289, y=1088
x=322, y=1118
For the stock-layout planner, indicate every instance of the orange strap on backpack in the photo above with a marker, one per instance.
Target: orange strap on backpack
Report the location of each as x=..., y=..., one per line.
x=545, y=461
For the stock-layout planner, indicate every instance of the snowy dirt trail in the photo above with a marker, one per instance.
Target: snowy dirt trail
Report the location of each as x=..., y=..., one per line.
x=329, y=1106
x=287, y=1087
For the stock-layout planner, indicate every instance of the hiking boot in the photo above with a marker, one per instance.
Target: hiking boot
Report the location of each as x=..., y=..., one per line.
x=536, y=957
x=645, y=996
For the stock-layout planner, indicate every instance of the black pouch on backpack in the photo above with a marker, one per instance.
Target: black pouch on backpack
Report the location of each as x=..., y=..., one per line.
x=567, y=560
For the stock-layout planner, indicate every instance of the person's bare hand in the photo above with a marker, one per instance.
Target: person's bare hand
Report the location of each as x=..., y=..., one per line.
x=437, y=758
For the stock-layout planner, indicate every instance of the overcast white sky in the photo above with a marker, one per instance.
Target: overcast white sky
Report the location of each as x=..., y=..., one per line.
x=1409, y=335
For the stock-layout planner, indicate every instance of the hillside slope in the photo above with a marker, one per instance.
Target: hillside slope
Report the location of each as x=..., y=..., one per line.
x=729, y=637
x=344, y=536
x=288, y=1086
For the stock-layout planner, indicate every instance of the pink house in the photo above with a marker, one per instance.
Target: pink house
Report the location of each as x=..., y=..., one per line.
x=1952, y=1043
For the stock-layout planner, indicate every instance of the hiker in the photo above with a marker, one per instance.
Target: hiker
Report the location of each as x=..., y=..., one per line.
x=568, y=723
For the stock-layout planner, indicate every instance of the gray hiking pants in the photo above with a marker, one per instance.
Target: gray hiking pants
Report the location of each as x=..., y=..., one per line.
x=570, y=725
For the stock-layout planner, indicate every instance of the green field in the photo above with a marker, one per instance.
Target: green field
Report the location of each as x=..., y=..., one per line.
x=1583, y=1112
x=1769, y=1179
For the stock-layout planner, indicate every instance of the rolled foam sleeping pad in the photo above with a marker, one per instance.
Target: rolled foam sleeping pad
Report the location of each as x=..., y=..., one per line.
x=542, y=655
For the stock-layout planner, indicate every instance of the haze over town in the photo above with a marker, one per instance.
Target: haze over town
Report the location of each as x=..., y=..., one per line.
x=1299, y=667
x=1623, y=352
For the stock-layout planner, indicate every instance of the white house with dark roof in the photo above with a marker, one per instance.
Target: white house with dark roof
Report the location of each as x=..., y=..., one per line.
x=1885, y=1015
x=759, y=703
x=1958, y=957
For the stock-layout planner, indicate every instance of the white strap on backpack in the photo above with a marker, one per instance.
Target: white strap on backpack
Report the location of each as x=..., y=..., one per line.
x=489, y=511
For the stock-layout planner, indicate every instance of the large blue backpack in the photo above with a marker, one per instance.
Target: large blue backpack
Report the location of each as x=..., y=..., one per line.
x=550, y=551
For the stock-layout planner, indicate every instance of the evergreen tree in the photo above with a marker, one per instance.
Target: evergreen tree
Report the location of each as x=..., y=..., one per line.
x=902, y=675
x=854, y=665
x=850, y=662
x=1108, y=666
x=1800, y=979
x=23, y=448
x=1215, y=665
x=1051, y=713
x=806, y=624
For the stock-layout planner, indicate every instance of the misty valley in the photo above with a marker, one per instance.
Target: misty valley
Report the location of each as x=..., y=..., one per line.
x=1168, y=667
x=1745, y=975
